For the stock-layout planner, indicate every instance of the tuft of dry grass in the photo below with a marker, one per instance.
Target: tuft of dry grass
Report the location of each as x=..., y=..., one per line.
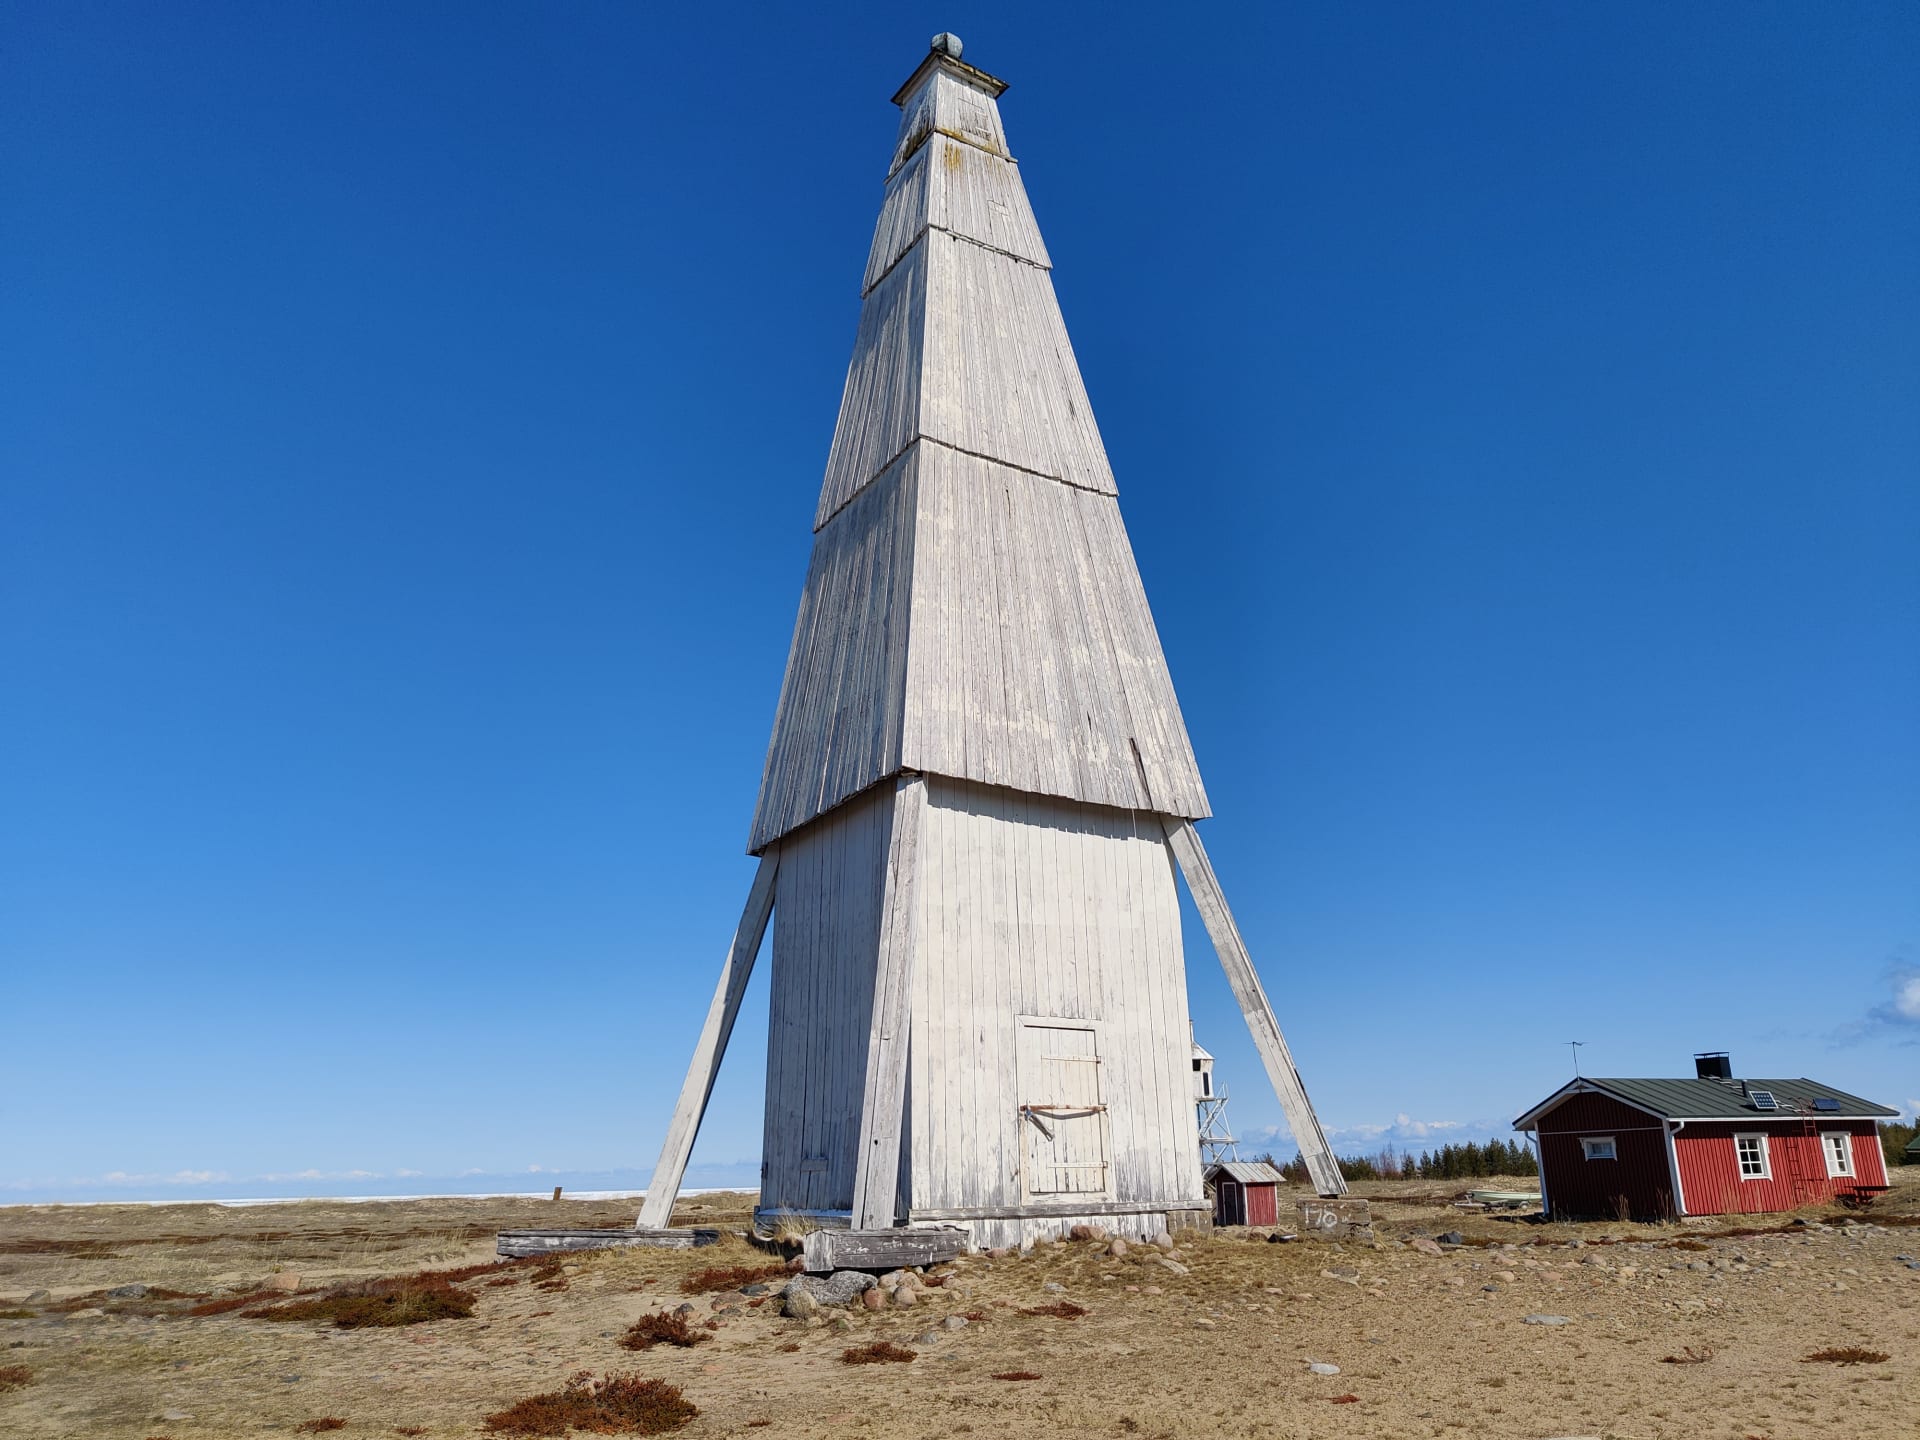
x=616, y=1405
x=1343, y=1400
x=1688, y=1356
x=792, y=1230
x=1689, y=1245
x=409, y=1429
x=18, y=1314
x=410, y=1300
x=728, y=1277
x=1058, y=1310
x=666, y=1328
x=320, y=1426
x=1850, y=1355
x=878, y=1353
x=14, y=1377
x=1015, y=1375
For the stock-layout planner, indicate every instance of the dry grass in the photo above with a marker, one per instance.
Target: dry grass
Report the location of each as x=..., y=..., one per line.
x=728, y=1277
x=1015, y=1375
x=1343, y=1400
x=409, y=1429
x=412, y=1300
x=1851, y=1355
x=879, y=1353
x=666, y=1328
x=792, y=1230
x=323, y=1424
x=14, y=1377
x=617, y=1405
x=1058, y=1310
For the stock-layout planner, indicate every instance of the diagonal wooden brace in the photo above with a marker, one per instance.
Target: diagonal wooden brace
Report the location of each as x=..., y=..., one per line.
x=657, y=1208
x=876, y=1173
x=1267, y=1039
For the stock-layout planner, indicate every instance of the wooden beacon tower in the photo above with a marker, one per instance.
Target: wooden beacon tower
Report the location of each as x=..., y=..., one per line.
x=979, y=787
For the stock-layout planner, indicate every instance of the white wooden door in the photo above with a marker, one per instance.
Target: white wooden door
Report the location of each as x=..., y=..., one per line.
x=1061, y=1115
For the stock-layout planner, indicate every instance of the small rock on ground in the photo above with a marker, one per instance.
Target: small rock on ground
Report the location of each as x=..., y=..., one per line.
x=1545, y=1320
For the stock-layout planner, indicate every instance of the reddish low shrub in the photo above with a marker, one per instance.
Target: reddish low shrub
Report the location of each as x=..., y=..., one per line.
x=14, y=1377
x=617, y=1405
x=728, y=1277
x=666, y=1328
x=1851, y=1355
x=878, y=1353
x=320, y=1426
x=412, y=1300
x=1058, y=1310
x=1015, y=1375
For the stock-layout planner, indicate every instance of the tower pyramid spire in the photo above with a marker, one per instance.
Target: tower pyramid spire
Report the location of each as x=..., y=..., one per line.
x=972, y=608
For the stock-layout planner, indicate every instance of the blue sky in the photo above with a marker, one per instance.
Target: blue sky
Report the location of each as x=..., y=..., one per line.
x=410, y=424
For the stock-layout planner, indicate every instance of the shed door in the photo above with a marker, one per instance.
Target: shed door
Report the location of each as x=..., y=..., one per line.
x=1061, y=1117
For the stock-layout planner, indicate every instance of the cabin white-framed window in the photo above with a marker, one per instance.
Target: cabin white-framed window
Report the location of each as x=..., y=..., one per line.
x=1066, y=1149
x=1599, y=1147
x=1750, y=1149
x=1837, y=1146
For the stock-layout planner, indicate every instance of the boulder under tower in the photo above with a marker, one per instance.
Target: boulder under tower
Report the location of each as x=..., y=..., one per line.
x=979, y=788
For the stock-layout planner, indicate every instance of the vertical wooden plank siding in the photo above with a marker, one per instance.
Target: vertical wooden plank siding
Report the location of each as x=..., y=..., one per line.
x=1045, y=910
x=1710, y=1166
x=1211, y=902
x=884, y=1101
x=664, y=1188
x=826, y=934
x=1263, y=1204
x=1640, y=1176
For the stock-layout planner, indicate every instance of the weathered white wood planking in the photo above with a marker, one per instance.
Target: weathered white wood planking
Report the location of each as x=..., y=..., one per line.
x=837, y=728
x=1042, y=909
x=966, y=619
x=880, y=402
x=656, y=1209
x=826, y=935
x=519, y=1244
x=963, y=191
x=1211, y=902
x=967, y=346
x=883, y=1107
x=889, y=1249
x=1033, y=662
x=948, y=98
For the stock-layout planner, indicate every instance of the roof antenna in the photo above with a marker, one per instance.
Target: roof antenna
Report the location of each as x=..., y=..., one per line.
x=1576, y=1044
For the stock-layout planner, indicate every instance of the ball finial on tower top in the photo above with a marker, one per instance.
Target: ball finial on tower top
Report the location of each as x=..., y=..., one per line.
x=946, y=43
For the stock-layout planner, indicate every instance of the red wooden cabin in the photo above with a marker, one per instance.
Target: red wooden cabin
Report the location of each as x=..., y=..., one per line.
x=1713, y=1145
x=1245, y=1192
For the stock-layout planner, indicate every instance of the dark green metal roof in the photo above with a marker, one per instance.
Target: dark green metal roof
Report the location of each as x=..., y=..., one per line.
x=1725, y=1100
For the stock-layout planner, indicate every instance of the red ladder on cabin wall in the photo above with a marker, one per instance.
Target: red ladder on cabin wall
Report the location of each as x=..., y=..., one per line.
x=1804, y=1182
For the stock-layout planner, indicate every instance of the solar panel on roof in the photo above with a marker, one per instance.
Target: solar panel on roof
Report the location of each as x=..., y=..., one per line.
x=1826, y=1102
x=1763, y=1100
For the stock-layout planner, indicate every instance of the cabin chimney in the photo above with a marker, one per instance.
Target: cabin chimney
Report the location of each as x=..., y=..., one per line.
x=1712, y=1065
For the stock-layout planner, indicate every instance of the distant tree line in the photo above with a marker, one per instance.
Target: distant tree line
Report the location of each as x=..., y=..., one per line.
x=1449, y=1162
x=1894, y=1139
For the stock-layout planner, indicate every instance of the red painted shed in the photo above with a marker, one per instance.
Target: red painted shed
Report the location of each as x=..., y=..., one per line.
x=1713, y=1145
x=1245, y=1192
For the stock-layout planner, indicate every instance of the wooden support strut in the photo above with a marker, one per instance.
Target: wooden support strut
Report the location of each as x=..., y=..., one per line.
x=657, y=1208
x=1267, y=1039
x=876, y=1175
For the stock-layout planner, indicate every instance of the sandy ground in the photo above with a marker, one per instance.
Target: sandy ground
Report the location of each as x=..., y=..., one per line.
x=1429, y=1345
